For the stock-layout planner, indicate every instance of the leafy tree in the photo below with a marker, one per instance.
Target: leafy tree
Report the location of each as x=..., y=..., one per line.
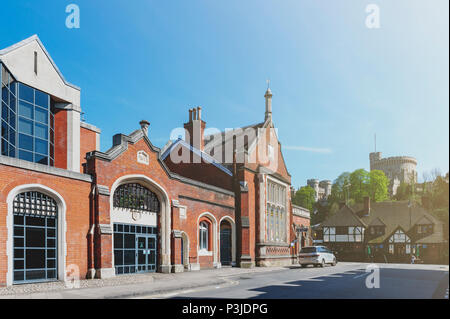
x=359, y=182
x=339, y=190
x=378, y=185
x=305, y=197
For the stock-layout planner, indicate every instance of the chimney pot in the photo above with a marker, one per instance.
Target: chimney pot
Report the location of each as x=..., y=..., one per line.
x=199, y=113
x=194, y=114
x=190, y=115
x=144, y=126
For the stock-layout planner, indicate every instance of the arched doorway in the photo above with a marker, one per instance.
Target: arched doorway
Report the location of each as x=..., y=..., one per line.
x=35, y=238
x=135, y=216
x=225, y=243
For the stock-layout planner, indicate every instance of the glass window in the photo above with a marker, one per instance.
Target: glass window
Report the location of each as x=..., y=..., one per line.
x=41, y=115
x=26, y=93
x=41, y=146
x=42, y=99
x=25, y=126
x=203, y=236
x=41, y=131
x=26, y=142
x=26, y=109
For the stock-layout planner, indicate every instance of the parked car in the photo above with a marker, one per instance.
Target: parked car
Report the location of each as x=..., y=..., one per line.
x=317, y=256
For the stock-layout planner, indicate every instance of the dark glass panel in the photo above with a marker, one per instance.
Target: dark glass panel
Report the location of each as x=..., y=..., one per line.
x=25, y=126
x=35, y=221
x=12, y=151
x=41, y=131
x=51, y=263
x=26, y=93
x=130, y=241
x=51, y=274
x=25, y=142
x=5, y=112
x=118, y=257
x=51, y=222
x=27, y=156
x=35, y=274
x=51, y=232
x=4, y=147
x=41, y=159
x=41, y=99
x=5, y=95
x=19, y=276
x=41, y=115
x=12, y=119
x=118, y=240
x=18, y=220
x=35, y=237
x=18, y=253
x=12, y=136
x=129, y=257
x=51, y=243
x=51, y=253
x=26, y=109
x=41, y=146
x=18, y=264
x=18, y=231
x=5, y=129
x=35, y=258
x=18, y=242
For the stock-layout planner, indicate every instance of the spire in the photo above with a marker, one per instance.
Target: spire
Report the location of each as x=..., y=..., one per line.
x=268, y=97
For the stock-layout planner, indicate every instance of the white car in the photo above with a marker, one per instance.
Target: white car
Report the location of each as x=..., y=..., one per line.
x=316, y=255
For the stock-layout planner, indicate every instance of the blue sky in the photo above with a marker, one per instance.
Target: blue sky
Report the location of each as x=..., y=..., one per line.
x=334, y=81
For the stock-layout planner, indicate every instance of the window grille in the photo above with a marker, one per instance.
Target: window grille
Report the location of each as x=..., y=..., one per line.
x=136, y=196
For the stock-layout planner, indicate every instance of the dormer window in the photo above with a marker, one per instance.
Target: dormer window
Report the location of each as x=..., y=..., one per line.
x=376, y=230
x=425, y=229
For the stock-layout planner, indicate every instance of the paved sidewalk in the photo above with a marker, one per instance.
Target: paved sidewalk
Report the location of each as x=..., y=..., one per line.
x=128, y=286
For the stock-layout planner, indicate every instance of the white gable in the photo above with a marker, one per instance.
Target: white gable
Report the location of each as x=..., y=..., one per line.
x=19, y=59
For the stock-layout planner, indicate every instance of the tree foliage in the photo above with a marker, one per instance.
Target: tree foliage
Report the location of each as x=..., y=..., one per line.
x=305, y=197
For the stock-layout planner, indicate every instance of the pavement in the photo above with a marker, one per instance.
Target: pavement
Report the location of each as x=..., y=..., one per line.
x=346, y=280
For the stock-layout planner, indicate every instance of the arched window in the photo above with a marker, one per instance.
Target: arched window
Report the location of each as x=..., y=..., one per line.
x=203, y=235
x=136, y=196
x=35, y=237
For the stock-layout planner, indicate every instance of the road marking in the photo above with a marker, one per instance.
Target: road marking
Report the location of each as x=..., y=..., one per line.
x=363, y=274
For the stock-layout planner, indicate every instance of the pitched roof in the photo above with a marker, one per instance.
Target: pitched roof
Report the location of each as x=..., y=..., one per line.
x=344, y=217
x=29, y=40
x=393, y=215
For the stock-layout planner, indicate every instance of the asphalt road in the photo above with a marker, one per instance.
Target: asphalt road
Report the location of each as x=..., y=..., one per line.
x=346, y=280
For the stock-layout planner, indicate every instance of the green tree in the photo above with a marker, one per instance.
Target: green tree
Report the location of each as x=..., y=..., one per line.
x=305, y=197
x=378, y=185
x=359, y=184
x=339, y=189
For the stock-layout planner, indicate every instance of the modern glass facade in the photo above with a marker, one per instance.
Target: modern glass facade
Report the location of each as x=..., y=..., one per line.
x=28, y=122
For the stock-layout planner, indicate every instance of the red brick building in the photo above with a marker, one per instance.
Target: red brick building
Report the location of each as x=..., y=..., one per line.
x=68, y=209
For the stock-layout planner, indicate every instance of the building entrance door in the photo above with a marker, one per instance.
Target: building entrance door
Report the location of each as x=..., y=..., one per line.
x=225, y=243
x=134, y=248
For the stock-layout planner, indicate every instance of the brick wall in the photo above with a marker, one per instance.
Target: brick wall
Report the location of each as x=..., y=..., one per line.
x=76, y=196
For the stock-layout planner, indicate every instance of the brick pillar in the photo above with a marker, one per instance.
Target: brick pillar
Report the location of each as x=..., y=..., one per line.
x=103, y=246
x=244, y=256
x=176, y=246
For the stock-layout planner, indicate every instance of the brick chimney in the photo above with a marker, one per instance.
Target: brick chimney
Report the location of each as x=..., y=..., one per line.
x=367, y=205
x=195, y=128
x=144, y=126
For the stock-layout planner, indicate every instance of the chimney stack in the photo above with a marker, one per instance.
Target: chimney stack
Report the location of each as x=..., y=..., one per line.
x=195, y=128
x=144, y=126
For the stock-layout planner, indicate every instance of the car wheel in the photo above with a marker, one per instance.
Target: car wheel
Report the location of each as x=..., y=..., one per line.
x=303, y=265
x=323, y=263
x=334, y=262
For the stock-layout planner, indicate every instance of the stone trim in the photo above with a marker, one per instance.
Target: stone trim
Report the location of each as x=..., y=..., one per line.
x=90, y=127
x=45, y=169
x=103, y=190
